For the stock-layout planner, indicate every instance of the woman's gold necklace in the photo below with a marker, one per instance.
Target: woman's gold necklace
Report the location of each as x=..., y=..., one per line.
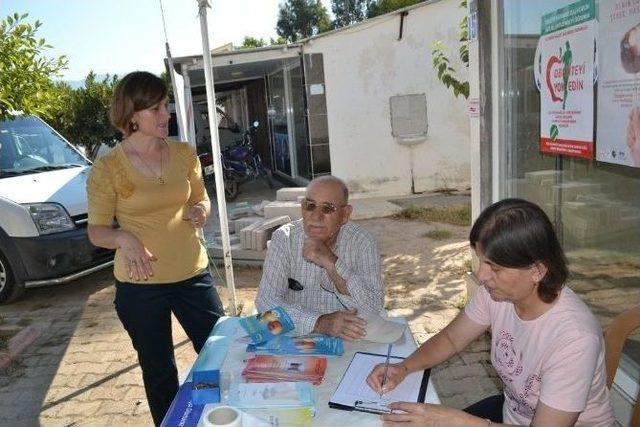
x=149, y=168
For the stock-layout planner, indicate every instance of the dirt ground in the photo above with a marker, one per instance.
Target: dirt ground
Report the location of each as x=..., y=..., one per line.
x=423, y=276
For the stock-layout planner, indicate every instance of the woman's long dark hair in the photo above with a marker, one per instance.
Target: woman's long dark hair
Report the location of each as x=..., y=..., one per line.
x=516, y=233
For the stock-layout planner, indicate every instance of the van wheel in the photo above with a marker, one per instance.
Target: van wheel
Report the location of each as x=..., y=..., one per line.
x=9, y=289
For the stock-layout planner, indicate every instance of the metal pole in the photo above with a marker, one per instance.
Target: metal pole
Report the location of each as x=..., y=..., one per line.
x=182, y=130
x=203, y=5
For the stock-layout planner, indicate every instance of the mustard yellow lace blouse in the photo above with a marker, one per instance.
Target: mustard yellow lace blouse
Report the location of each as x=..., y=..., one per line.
x=151, y=210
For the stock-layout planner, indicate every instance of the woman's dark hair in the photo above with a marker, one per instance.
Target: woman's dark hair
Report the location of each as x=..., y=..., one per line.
x=515, y=233
x=135, y=92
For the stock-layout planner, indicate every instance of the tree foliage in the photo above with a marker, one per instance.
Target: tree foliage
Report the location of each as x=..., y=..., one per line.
x=347, y=12
x=25, y=72
x=167, y=80
x=84, y=117
x=441, y=63
x=278, y=41
x=299, y=19
x=380, y=7
x=251, y=42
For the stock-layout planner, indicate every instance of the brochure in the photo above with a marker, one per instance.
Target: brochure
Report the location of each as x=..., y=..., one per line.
x=265, y=417
x=264, y=326
x=271, y=395
x=280, y=417
x=300, y=346
x=264, y=368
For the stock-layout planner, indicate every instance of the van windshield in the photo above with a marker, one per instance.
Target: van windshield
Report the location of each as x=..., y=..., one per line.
x=28, y=145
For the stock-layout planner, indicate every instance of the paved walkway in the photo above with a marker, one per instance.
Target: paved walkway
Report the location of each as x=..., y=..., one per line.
x=82, y=370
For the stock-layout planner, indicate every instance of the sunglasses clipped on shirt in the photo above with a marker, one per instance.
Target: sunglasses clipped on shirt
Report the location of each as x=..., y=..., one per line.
x=326, y=208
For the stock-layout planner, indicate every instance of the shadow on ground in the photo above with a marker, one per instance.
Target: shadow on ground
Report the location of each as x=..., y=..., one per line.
x=27, y=386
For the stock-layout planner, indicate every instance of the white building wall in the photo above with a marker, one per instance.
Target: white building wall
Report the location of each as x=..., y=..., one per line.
x=366, y=65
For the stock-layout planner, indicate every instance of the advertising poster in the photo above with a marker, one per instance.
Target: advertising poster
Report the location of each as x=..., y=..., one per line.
x=564, y=71
x=618, y=134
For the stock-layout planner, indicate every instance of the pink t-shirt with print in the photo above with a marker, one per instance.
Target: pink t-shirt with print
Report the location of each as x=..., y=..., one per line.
x=557, y=358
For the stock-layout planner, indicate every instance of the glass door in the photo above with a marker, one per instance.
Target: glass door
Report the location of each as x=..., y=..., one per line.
x=288, y=120
x=278, y=121
x=299, y=121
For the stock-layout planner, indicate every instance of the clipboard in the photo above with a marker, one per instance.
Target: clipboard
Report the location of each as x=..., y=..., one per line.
x=352, y=391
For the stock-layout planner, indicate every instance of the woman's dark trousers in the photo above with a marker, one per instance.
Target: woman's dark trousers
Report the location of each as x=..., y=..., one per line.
x=489, y=408
x=145, y=312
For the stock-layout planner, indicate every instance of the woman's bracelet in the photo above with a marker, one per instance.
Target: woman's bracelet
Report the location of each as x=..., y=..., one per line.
x=198, y=205
x=406, y=370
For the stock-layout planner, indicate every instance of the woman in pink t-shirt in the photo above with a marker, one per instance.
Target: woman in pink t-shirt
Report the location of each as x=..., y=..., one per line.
x=546, y=345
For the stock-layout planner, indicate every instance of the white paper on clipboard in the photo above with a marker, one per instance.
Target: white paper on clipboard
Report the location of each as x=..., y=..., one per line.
x=354, y=392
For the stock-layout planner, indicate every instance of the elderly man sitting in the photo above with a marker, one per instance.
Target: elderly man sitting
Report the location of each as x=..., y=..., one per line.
x=323, y=269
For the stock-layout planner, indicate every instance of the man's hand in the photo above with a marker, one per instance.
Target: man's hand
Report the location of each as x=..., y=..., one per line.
x=317, y=252
x=343, y=324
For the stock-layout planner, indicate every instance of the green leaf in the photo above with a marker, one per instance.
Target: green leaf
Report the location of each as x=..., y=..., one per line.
x=25, y=72
x=441, y=63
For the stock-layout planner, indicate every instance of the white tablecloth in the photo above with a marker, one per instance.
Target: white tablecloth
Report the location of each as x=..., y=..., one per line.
x=234, y=363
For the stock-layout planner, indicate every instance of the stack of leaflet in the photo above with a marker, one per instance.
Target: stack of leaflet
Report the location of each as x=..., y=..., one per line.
x=278, y=417
x=305, y=345
x=265, y=368
x=271, y=417
x=271, y=395
x=283, y=404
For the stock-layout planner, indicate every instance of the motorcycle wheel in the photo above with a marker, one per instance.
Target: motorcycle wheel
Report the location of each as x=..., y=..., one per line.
x=267, y=178
x=230, y=189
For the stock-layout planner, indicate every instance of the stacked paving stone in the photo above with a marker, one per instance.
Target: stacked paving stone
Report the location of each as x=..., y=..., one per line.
x=279, y=208
x=290, y=194
x=251, y=227
x=256, y=235
x=287, y=203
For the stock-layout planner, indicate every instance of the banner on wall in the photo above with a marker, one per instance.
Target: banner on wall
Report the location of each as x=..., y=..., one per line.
x=618, y=134
x=564, y=70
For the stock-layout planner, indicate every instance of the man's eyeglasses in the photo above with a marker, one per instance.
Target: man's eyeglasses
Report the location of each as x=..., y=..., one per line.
x=326, y=208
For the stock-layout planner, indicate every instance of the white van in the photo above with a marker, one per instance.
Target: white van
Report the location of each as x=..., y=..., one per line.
x=43, y=209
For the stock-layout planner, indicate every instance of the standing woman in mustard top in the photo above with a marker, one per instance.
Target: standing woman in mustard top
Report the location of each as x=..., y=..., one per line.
x=153, y=187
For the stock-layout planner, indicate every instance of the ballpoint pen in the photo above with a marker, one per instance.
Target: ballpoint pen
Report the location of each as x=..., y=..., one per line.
x=386, y=370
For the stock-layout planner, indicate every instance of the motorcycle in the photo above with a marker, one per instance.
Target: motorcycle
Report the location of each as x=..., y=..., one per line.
x=230, y=185
x=241, y=163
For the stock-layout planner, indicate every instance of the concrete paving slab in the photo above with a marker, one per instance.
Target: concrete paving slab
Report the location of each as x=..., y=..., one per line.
x=276, y=208
x=264, y=231
x=241, y=223
x=290, y=193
